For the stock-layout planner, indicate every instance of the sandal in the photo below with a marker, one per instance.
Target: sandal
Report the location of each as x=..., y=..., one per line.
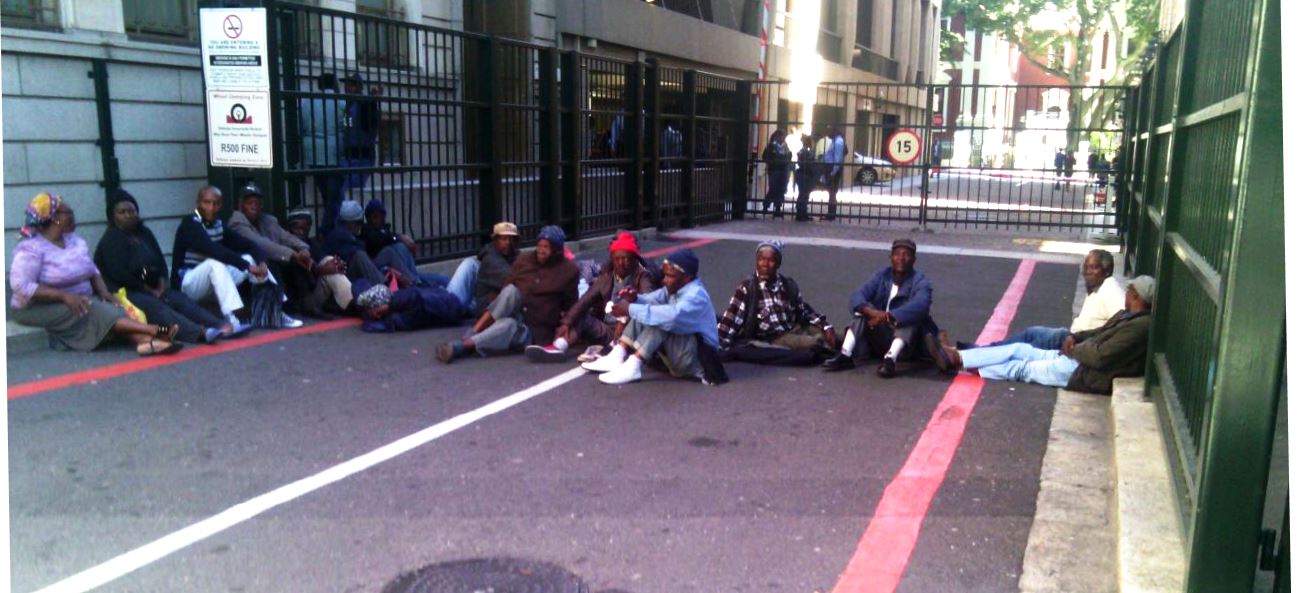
x=156, y=346
x=166, y=332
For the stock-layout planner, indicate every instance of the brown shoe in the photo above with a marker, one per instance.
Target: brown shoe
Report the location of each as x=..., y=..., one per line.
x=445, y=352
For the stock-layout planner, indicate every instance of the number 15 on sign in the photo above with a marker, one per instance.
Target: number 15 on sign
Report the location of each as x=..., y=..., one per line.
x=904, y=147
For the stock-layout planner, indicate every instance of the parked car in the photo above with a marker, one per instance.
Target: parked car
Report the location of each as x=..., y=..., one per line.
x=871, y=170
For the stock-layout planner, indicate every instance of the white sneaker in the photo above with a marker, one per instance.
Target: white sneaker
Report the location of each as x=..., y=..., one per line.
x=606, y=362
x=287, y=322
x=626, y=372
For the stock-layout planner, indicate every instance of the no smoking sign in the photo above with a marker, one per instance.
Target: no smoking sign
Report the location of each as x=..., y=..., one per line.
x=904, y=147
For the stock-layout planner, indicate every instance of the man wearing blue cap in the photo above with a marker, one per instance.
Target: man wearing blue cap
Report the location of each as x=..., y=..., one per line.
x=675, y=323
x=530, y=307
x=768, y=321
x=344, y=243
x=891, y=315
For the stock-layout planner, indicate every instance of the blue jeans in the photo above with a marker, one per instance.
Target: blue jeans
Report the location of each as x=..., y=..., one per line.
x=464, y=281
x=1020, y=362
x=407, y=261
x=355, y=179
x=1039, y=336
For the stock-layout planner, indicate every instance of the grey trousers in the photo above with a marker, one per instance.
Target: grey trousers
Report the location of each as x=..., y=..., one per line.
x=678, y=351
x=874, y=342
x=508, y=332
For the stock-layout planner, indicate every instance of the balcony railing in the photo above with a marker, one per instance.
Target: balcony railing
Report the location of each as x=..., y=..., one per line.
x=862, y=58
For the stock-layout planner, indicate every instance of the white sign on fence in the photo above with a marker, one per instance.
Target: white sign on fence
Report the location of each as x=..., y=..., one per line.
x=236, y=73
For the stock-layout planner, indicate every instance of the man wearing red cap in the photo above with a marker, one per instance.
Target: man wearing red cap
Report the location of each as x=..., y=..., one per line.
x=589, y=320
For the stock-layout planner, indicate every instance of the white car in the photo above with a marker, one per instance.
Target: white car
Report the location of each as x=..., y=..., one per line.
x=871, y=170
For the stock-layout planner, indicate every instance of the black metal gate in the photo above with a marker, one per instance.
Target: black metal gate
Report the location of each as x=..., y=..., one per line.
x=466, y=130
x=1041, y=158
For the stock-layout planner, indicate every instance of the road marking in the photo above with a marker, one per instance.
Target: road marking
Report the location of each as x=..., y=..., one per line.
x=1053, y=258
x=160, y=548
x=884, y=551
x=139, y=365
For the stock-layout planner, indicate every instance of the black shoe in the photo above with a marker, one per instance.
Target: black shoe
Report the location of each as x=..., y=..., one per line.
x=840, y=362
x=937, y=353
x=887, y=370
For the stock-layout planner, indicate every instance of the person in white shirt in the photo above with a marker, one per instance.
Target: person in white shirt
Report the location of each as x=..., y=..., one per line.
x=1105, y=298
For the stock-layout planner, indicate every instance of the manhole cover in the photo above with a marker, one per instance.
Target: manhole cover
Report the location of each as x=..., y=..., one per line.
x=488, y=575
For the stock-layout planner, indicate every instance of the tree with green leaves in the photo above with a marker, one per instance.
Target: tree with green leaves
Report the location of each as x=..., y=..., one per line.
x=1083, y=19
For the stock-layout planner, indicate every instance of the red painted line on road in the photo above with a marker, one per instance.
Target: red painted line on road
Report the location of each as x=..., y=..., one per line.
x=666, y=250
x=884, y=551
x=111, y=371
x=31, y=388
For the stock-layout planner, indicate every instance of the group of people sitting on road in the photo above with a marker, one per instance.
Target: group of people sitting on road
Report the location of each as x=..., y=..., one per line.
x=227, y=277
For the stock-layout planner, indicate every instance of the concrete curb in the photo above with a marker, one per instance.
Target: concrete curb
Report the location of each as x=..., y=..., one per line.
x=1150, y=537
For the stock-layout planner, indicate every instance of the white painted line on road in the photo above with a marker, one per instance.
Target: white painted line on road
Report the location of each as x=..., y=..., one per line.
x=1053, y=258
x=151, y=552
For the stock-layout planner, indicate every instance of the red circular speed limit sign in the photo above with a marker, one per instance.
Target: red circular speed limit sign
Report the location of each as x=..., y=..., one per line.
x=904, y=147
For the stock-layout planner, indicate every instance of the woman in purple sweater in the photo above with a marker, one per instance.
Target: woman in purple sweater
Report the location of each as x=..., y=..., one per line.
x=53, y=280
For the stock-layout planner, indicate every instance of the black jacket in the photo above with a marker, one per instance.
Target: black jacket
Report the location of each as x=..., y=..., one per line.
x=131, y=260
x=491, y=276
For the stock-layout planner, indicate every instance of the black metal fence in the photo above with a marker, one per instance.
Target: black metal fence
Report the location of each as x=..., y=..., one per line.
x=986, y=157
x=463, y=130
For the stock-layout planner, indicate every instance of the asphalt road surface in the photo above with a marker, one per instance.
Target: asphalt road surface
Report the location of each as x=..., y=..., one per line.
x=664, y=486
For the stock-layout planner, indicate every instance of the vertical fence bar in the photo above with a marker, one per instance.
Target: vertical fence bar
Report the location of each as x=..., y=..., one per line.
x=926, y=149
x=572, y=128
x=739, y=156
x=691, y=144
x=551, y=138
x=490, y=186
x=635, y=138
x=653, y=104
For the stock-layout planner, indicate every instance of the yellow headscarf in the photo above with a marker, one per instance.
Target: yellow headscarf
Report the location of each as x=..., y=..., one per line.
x=40, y=211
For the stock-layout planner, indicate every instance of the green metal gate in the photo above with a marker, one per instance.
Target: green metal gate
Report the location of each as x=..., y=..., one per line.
x=1203, y=212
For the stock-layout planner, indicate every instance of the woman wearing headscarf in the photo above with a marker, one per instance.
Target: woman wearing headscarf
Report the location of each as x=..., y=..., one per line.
x=530, y=307
x=129, y=257
x=53, y=281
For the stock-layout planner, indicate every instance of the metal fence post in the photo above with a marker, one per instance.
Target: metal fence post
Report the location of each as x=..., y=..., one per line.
x=106, y=143
x=691, y=144
x=551, y=138
x=927, y=159
x=635, y=141
x=653, y=101
x=740, y=151
x=570, y=199
x=489, y=185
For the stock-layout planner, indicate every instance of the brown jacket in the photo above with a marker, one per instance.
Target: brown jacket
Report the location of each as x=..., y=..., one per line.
x=1117, y=349
x=600, y=292
x=547, y=291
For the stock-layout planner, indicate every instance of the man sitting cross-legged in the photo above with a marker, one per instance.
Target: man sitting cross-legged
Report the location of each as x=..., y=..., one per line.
x=891, y=314
x=330, y=290
x=541, y=286
x=589, y=321
x=1087, y=361
x=1104, y=298
x=675, y=324
x=768, y=322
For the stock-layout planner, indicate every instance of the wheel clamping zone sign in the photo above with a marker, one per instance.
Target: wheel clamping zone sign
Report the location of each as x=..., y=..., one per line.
x=904, y=147
x=237, y=78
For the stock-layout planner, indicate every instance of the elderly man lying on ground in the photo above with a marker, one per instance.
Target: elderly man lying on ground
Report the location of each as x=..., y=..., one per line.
x=1104, y=298
x=674, y=325
x=768, y=321
x=541, y=286
x=891, y=315
x=590, y=320
x=1087, y=361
